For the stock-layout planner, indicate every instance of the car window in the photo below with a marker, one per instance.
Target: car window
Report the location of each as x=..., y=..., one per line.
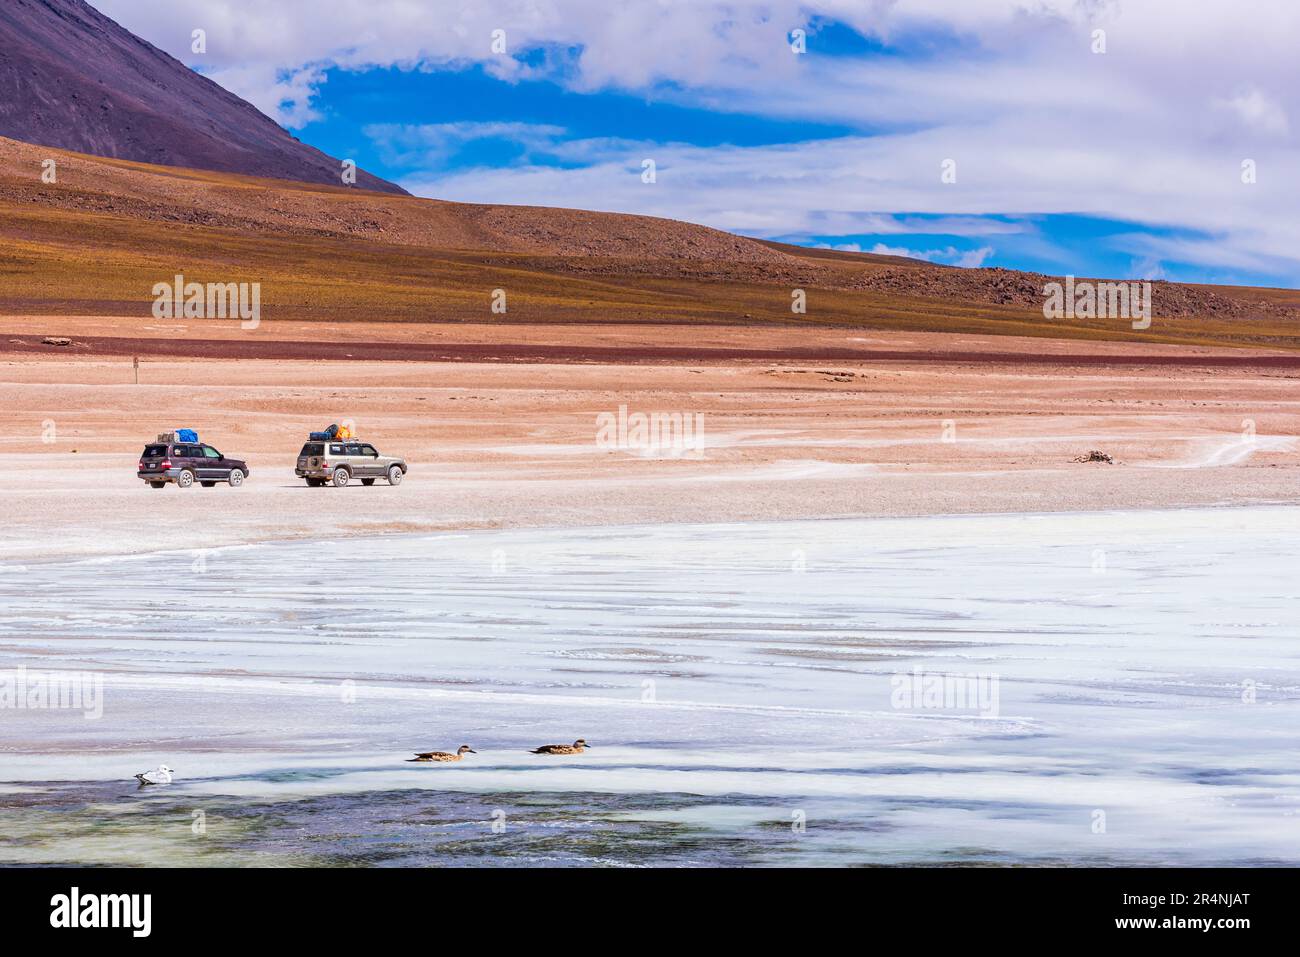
x=354, y=450
x=312, y=448
x=368, y=450
x=336, y=450
x=185, y=452
x=155, y=451
x=210, y=452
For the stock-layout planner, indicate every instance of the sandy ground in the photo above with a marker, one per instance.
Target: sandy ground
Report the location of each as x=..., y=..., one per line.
x=22, y=334
x=508, y=445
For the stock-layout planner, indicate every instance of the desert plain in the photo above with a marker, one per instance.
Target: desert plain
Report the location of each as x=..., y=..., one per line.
x=497, y=436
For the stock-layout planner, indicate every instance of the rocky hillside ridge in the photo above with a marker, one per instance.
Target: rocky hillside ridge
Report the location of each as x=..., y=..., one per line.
x=560, y=241
x=1009, y=287
x=72, y=78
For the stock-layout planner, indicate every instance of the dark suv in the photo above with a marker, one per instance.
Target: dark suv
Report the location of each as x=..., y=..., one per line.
x=188, y=462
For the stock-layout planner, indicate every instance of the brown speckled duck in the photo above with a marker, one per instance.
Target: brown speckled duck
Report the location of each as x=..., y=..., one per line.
x=463, y=750
x=576, y=748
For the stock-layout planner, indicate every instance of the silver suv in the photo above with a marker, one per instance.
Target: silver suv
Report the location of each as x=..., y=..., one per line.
x=337, y=461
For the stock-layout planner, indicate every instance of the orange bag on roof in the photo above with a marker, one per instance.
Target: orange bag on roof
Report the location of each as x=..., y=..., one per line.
x=345, y=433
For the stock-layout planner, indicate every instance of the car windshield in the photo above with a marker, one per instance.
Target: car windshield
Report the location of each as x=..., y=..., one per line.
x=155, y=451
x=312, y=448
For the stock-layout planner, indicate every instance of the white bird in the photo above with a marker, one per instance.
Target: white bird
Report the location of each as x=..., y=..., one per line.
x=159, y=775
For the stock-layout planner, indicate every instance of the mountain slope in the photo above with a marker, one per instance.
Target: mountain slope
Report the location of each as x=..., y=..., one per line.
x=336, y=254
x=72, y=78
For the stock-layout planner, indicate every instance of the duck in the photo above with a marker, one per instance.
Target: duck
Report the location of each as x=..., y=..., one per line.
x=576, y=748
x=159, y=775
x=463, y=750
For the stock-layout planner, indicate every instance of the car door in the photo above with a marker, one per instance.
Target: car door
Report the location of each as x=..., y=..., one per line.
x=152, y=458
x=362, y=466
x=337, y=456
x=214, y=466
x=310, y=456
x=371, y=455
x=188, y=457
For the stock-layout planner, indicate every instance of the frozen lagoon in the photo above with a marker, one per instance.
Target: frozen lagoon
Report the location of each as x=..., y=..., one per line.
x=738, y=682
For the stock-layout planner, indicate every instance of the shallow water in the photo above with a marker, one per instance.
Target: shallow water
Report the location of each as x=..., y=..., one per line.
x=1140, y=675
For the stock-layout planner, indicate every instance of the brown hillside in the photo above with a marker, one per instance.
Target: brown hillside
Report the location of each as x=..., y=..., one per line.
x=96, y=241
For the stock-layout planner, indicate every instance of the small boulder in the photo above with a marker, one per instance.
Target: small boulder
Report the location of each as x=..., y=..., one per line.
x=1095, y=456
x=56, y=341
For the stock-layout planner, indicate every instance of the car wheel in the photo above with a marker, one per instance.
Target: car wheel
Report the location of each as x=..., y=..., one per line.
x=236, y=478
x=185, y=479
x=157, y=484
x=395, y=475
x=367, y=481
x=208, y=484
x=340, y=478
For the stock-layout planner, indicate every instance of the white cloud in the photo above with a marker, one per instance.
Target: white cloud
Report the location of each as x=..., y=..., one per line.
x=285, y=95
x=1258, y=111
x=968, y=258
x=1147, y=267
x=974, y=257
x=431, y=143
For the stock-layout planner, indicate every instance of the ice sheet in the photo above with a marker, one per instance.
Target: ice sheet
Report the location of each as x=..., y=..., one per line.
x=739, y=684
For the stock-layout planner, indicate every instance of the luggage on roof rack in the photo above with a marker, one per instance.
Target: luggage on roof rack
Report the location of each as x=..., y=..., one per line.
x=333, y=432
x=178, y=435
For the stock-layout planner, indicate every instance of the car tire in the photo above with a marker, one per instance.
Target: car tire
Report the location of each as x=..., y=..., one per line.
x=367, y=482
x=340, y=478
x=236, y=478
x=315, y=483
x=395, y=475
x=185, y=479
x=157, y=484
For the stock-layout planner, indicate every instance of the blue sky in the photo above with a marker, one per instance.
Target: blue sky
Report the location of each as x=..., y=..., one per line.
x=1125, y=161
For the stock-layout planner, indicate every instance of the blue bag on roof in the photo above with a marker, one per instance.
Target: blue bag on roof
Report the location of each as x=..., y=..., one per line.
x=186, y=435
